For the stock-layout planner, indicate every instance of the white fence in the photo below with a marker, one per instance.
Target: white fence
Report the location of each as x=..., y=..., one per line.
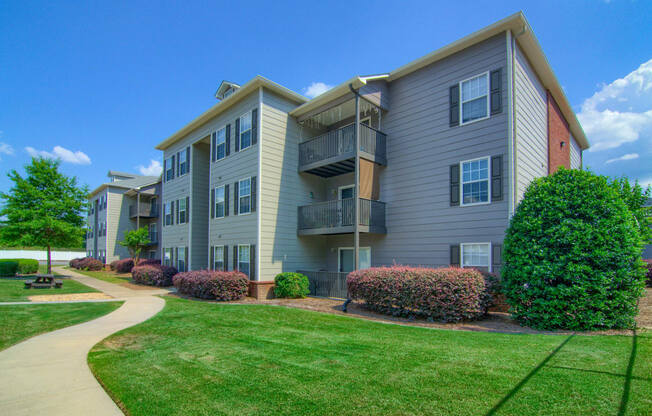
x=41, y=255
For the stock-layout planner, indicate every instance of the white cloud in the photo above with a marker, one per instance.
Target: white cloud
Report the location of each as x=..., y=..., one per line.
x=6, y=149
x=628, y=156
x=645, y=182
x=77, y=158
x=620, y=112
x=316, y=88
x=153, y=169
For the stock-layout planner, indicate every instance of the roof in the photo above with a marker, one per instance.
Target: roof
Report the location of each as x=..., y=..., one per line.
x=255, y=83
x=137, y=182
x=121, y=174
x=224, y=86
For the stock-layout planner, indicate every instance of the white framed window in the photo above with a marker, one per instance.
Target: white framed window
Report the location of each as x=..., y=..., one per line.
x=475, y=255
x=169, y=169
x=220, y=144
x=245, y=130
x=181, y=259
x=167, y=257
x=244, y=196
x=243, y=259
x=476, y=186
x=183, y=162
x=474, y=98
x=218, y=258
x=183, y=211
x=219, y=202
x=346, y=259
x=167, y=208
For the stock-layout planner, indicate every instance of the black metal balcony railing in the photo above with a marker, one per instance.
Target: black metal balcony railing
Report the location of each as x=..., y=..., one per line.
x=341, y=213
x=144, y=210
x=326, y=284
x=340, y=142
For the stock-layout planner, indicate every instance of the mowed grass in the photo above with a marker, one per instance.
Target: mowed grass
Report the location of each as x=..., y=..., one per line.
x=13, y=289
x=19, y=322
x=205, y=358
x=107, y=276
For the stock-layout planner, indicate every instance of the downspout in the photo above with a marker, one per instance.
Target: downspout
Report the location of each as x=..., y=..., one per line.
x=511, y=127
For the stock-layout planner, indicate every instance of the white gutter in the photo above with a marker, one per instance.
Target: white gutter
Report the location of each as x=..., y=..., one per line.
x=259, y=182
x=511, y=133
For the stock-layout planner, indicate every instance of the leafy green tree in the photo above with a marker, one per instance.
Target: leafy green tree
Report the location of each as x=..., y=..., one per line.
x=43, y=209
x=635, y=198
x=136, y=241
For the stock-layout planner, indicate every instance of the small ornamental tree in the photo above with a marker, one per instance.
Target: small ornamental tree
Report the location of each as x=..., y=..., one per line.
x=572, y=255
x=43, y=209
x=136, y=241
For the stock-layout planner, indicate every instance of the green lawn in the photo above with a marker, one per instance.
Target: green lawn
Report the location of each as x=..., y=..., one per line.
x=13, y=289
x=107, y=276
x=19, y=322
x=205, y=358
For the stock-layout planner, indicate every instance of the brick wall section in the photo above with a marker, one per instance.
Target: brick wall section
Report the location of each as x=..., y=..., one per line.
x=558, y=132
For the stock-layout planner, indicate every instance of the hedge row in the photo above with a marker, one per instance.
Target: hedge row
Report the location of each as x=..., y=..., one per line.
x=24, y=266
x=125, y=265
x=86, y=263
x=8, y=268
x=153, y=274
x=445, y=294
x=208, y=284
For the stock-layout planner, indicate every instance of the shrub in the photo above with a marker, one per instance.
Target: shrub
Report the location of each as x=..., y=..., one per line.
x=208, y=284
x=445, y=294
x=143, y=262
x=572, y=255
x=26, y=266
x=153, y=275
x=74, y=263
x=8, y=268
x=648, y=276
x=92, y=264
x=291, y=285
x=113, y=264
x=123, y=266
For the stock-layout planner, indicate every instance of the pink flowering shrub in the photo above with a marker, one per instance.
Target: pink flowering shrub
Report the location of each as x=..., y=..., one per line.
x=123, y=266
x=445, y=294
x=86, y=263
x=143, y=262
x=153, y=275
x=208, y=284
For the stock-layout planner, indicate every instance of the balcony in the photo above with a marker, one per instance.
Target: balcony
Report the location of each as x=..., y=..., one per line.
x=153, y=238
x=145, y=210
x=337, y=217
x=333, y=153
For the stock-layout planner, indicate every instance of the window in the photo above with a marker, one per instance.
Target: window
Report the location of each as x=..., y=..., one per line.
x=245, y=131
x=152, y=254
x=182, y=156
x=181, y=203
x=169, y=169
x=168, y=213
x=475, y=254
x=346, y=259
x=152, y=232
x=243, y=259
x=475, y=181
x=219, y=202
x=474, y=98
x=244, y=196
x=181, y=259
x=220, y=144
x=167, y=257
x=218, y=258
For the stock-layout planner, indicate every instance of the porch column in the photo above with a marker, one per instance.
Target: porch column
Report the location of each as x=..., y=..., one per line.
x=356, y=232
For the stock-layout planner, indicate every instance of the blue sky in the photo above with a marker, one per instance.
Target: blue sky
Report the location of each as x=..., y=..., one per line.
x=100, y=84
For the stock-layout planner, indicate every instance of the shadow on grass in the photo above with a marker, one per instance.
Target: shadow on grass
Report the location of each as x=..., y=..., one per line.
x=628, y=377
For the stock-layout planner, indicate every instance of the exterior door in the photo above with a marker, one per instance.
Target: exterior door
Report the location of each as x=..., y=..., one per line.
x=346, y=259
x=346, y=209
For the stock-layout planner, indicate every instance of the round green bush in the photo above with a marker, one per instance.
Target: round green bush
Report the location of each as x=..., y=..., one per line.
x=8, y=268
x=26, y=266
x=572, y=255
x=291, y=285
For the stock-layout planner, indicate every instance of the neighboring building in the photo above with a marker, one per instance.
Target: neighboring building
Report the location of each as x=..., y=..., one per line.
x=266, y=181
x=125, y=203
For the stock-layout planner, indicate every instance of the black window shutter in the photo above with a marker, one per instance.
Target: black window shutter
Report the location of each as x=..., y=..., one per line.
x=187, y=209
x=455, y=184
x=212, y=265
x=254, y=126
x=454, y=105
x=213, y=203
x=252, y=262
x=497, y=178
x=178, y=163
x=253, y=194
x=173, y=166
x=172, y=213
x=237, y=135
x=185, y=258
x=455, y=255
x=496, y=254
x=188, y=159
x=226, y=258
x=496, y=91
x=235, y=257
x=227, y=141
x=235, y=198
x=176, y=256
x=213, y=146
x=177, y=206
x=165, y=164
x=226, y=200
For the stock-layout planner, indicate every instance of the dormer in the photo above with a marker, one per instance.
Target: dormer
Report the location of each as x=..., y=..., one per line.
x=226, y=88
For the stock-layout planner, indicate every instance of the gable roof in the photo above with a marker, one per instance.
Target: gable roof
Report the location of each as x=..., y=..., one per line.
x=137, y=182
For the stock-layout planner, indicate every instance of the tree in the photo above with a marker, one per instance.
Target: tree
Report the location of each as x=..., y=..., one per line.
x=43, y=209
x=635, y=198
x=136, y=241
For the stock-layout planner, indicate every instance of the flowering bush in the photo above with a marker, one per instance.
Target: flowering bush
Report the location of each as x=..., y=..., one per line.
x=153, y=275
x=74, y=263
x=86, y=263
x=445, y=294
x=207, y=284
x=123, y=266
x=143, y=262
x=291, y=285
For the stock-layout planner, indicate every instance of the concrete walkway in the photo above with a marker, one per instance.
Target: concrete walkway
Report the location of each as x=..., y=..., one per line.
x=49, y=375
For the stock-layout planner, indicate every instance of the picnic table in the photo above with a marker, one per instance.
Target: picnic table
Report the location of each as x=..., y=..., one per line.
x=43, y=281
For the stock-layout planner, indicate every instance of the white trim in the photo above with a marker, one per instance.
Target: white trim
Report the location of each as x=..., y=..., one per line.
x=511, y=127
x=251, y=139
x=215, y=202
x=488, y=95
x=489, y=260
x=259, y=182
x=366, y=118
x=488, y=159
x=340, y=188
x=339, y=249
x=212, y=266
x=216, y=145
x=249, y=255
x=240, y=196
x=188, y=205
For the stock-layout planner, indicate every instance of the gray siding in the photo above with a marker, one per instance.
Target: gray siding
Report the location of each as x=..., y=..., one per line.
x=199, y=207
x=531, y=113
x=377, y=93
x=118, y=223
x=575, y=154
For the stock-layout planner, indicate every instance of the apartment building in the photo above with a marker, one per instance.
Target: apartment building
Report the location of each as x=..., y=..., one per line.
x=127, y=202
x=423, y=165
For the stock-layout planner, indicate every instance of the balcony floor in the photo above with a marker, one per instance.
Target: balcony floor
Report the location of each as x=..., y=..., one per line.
x=347, y=229
x=338, y=165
